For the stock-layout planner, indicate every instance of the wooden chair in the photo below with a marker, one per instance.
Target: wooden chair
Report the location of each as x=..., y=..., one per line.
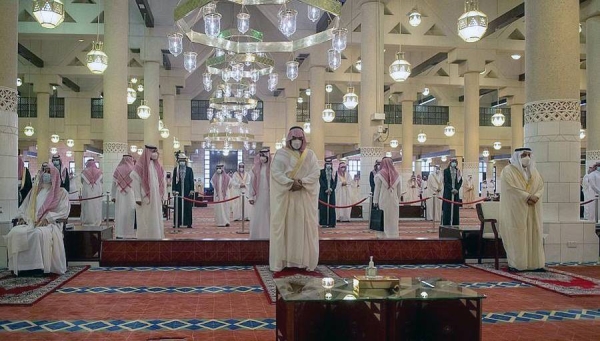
x=487, y=230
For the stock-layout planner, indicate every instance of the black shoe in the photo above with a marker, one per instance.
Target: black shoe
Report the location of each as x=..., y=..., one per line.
x=189, y=226
x=511, y=269
x=226, y=225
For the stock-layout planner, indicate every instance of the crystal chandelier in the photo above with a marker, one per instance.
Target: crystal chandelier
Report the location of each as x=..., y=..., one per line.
x=54, y=138
x=287, y=21
x=143, y=111
x=422, y=137
x=97, y=60
x=189, y=61
x=306, y=127
x=53, y=150
x=140, y=88
x=497, y=145
x=19, y=81
x=334, y=59
x=49, y=13
x=473, y=23
x=175, y=43
x=339, y=40
x=278, y=145
x=69, y=153
x=328, y=114
x=425, y=91
x=273, y=80
x=358, y=65
x=485, y=153
x=70, y=143
x=243, y=22
x=581, y=134
x=291, y=69
x=212, y=24
x=164, y=133
x=28, y=130
x=314, y=13
x=444, y=158
x=176, y=143
x=133, y=148
x=140, y=151
x=300, y=100
x=449, y=130
x=394, y=143
x=307, y=92
x=414, y=17
x=498, y=118
x=329, y=88
x=350, y=99
x=400, y=69
x=131, y=94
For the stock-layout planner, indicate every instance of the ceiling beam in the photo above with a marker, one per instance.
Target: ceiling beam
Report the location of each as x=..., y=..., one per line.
x=30, y=56
x=481, y=93
x=505, y=19
x=431, y=62
x=70, y=84
x=146, y=12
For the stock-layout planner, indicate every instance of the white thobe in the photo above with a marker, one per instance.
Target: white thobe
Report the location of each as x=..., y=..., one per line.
x=294, y=235
x=260, y=223
x=149, y=213
x=412, y=193
x=124, y=211
x=221, y=210
x=435, y=186
x=91, y=210
x=236, y=190
x=388, y=199
x=354, y=191
x=520, y=223
x=469, y=193
x=593, y=190
x=42, y=247
x=343, y=197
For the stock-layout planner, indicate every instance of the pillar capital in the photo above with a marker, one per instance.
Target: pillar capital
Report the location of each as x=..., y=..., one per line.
x=470, y=60
x=409, y=93
x=151, y=49
x=515, y=96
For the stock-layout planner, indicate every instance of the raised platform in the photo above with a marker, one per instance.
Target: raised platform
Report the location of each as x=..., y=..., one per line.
x=250, y=252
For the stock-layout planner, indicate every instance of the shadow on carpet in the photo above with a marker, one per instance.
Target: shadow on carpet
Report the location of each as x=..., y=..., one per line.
x=267, y=277
x=30, y=290
x=562, y=282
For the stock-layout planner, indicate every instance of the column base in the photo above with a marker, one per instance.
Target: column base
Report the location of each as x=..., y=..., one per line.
x=570, y=242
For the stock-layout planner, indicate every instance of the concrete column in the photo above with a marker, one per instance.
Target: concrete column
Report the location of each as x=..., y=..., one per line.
x=418, y=167
x=552, y=123
x=317, y=104
x=592, y=46
x=407, y=138
x=9, y=124
x=471, y=145
x=169, y=121
x=152, y=58
x=43, y=121
x=516, y=127
x=116, y=46
x=290, y=112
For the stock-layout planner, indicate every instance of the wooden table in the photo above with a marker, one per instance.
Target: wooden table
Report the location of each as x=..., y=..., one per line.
x=82, y=243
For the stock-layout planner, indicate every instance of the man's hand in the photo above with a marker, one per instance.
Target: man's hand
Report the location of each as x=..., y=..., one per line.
x=191, y=193
x=532, y=200
x=113, y=200
x=454, y=191
x=43, y=222
x=21, y=221
x=328, y=191
x=343, y=184
x=139, y=203
x=297, y=185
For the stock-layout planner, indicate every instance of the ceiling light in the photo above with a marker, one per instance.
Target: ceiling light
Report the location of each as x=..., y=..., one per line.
x=307, y=92
x=339, y=40
x=140, y=151
x=449, y=130
x=49, y=13
x=140, y=88
x=177, y=144
x=69, y=153
x=498, y=118
x=243, y=22
x=485, y=153
x=394, y=143
x=175, y=43
x=300, y=100
x=212, y=24
x=53, y=150
x=19, y=81
x=358, y=65
x=350, y=99
x=70, y=143
x=581, y=134
x=425, y=91
x=515, y=56
x=422, y=137
x=497, y=145
x=134, y=80
x=414, y=17
x=400, y=69
x=189, y=61
x=164, y=133
x=131, y=94
x=334, y=59
x=96, y=59
x=287, y=22
x=472, y=24
x=28, y=130
x=278, y=145
x=328, y=114
x=444, y=158
x=133, y=148
x=314, y=13
x=54, y=138
x=291, y=69
x=306, y=127
x=143, y=111
x=329, y=88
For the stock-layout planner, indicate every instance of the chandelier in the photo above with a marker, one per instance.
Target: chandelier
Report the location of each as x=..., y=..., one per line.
x=97, y=60
x=328, y=114
x=394, y=143
x=54, y=138
x=69, y=153
x=53, y=150
x=143, y=111
x=422, y=137
x=329, y=88
x=140, y=151
x=485, y=153
x=498, y=118
x=164, y=133
x=581, y=134
x=414, y=17
x=449, y=130
x=400, y=69
x=425, y=91
x=350, y=99
x=49, y=13
x=175, y=43
x=497, y=145
x=278, y=145
x=472, y=24
x=444, y=158
x=70, y=143
x=176, y=143
x=306, y=127
x=28, y=130
x=133, y=148
x=131, y=94
x=358, y=65
x=291, y=69
x=189, y=61
x=307, y=92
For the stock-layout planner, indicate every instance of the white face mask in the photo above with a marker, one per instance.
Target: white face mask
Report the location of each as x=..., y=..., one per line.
x=525, y=161
x=328, y=166
x=453, y=165
x=219, y=171
x=296, y=144
x=264, y=159
x=46, y=178
x=182, y=164
x=154, y=156
x=242, y=169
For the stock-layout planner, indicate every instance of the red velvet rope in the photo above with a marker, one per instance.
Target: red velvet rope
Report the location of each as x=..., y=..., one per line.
x=414, y=201
x=347, y=206
x=586, y=202
x=75, y=200
x=463, y=203
x=210, y=203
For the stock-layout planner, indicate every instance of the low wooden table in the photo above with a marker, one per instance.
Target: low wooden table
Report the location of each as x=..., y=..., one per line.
x=82, y=243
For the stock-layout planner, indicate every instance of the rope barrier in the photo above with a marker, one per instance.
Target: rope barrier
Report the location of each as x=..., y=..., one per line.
x=347, y=206
x=85, y=199
x=210, y=203
x=414, y=201
x=463, y=203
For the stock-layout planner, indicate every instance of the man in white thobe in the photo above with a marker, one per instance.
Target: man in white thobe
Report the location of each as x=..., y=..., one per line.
x=469, y=192
x=37, y=241
x=589, y=210
x=91, y=187
x=413, y=191
x=149, y=189
x=240, y=182
x=593, y=192
x=435, y=186
x=521, y=213
x=123, y=196
x=220, y=183
x=343, y=194
x=259, y=196
x=294, y=237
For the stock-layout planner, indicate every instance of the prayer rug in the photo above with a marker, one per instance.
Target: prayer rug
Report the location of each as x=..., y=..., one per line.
x=561, y=282
x=30, y=290
x=267, y=277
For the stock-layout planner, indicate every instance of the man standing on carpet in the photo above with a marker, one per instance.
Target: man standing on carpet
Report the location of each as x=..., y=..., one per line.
x=24, y=180
x=435, y=185
x=374, y=172
x=328, y=182
x=521, y=212
x=91, y=187
x=452, y=183
x=260, y=225
x=388, y=187
x=342, y=192
x=220, y=183
x=469, y=192
x=413, y=191
x=124, y=198
x=37, y=240
x=239, y=187
x=294, y=239
x=594, y=183
x=149, y=188
x=183, y=183
x=63, y=172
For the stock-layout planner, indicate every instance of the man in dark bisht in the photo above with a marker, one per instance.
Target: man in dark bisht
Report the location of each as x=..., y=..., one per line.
x=452, y=184
x=63, y=172
x=328, y=182
x=25, y=183
x=183, y=183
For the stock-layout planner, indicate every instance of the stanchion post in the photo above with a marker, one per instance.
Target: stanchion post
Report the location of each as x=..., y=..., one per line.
x=107, y=207
x=433, y=213
x=596, y=208
x=176, y=210
x=243, y=231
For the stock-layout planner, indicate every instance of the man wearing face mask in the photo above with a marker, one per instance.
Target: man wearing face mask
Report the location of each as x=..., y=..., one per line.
x=123, y=197
x=374, y=172
x=240, y=182
x=149, y=189
x=521, y=213
x=24, y=180
x=328, y=182
x=294, y=239
x=220, y=183
x=260, y=225
x=435, y=186
x=63, y=172
x=594, y=191
x=91, y=187
x=343, y=194
x=452, y=183
x=469, y=192
x=36, y=243
x=183, y=183
x=413, y=191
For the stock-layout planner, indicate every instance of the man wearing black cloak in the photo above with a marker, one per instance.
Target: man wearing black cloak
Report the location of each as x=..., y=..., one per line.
x=328, y=182
x=452, y=184
x=63, y=172
x=183, y=183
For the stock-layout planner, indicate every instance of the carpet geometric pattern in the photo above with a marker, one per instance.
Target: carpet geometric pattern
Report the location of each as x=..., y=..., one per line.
x=29, y=290
x=161, y=290
x=542, y=316
x=402, y=266
x=171, y=268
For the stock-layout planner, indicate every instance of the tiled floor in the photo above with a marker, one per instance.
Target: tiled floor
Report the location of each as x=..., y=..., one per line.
x=227, y=303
